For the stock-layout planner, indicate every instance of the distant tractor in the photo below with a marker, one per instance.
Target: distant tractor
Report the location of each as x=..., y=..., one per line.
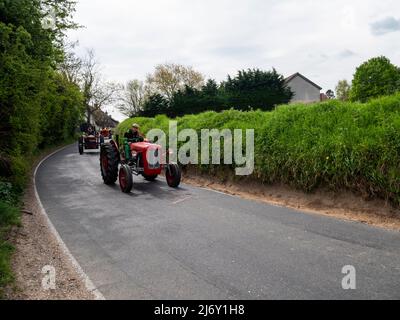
x=135, y=158
x=106, y=133
x=89, y=140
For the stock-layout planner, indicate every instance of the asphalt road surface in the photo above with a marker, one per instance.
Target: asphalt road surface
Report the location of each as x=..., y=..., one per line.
x=193, y=243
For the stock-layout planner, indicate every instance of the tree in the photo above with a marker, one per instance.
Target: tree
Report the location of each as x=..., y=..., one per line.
x=374, y=78
x=154, y=105
x=168, y=78
x=194, y=101
x=330, y=94
x=255, y=88
x=61, y=110
x=38, y=105
x=132, y=98
x=213, y=97
x=186, y=101
x=211, y=88
x=96, y=92
x=62, y=12
x=71, y=65
x=343, y=90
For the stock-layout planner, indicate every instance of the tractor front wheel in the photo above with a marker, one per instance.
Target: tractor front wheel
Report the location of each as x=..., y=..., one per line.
x=125, y=179
x=109, y=163
x=80, y=146
x=173, y=175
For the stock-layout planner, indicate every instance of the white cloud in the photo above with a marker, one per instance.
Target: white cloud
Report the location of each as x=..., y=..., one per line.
x=323, y=39
x=387, y=25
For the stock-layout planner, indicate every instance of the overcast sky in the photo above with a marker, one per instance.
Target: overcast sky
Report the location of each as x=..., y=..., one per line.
x=325, y=40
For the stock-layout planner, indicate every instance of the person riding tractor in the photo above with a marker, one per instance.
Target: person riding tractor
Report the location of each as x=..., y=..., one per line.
x=90, y=131
x=133, y=135
x=106, y=132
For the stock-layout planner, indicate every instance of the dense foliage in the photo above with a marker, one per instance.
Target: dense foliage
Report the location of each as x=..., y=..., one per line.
x=256, y=89
x=248, y=90
x=155, y=104
x=343, y=90
x=375, y=78
x=339, y=145
x=39, y=106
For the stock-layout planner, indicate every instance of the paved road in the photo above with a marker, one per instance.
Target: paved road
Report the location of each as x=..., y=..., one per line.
x=192, y=243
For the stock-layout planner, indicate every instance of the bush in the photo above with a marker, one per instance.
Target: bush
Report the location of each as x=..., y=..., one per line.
x=9, y=216
x=339, y=145
x=38, y=105
x=6, y=193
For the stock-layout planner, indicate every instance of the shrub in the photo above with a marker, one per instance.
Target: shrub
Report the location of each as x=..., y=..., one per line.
x=9, y=216
x=6, y=193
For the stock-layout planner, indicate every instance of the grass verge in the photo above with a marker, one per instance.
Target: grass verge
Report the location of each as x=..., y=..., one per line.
x=9, y=217
x=10, y=213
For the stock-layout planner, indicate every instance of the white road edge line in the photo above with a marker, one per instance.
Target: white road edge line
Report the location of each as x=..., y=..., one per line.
x=276, y=205
x=88, y=283
x=182, y=200
x=220, y=192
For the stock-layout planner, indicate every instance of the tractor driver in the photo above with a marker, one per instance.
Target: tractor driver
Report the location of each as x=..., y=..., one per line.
x=133, y=135
x=90, y=131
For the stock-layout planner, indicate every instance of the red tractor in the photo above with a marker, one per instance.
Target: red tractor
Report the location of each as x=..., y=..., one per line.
x=136, y=158
x=89, y=140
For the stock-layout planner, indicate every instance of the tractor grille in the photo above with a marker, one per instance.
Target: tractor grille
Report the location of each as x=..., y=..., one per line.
x=154, y=166
x=153, y=159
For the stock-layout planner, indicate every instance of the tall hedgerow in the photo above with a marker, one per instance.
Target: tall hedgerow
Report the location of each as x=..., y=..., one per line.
x=38, y=106
x=334, y=144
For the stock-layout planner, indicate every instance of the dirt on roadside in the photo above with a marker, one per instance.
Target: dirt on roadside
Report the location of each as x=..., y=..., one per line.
x=344, y=205
x=36, y=247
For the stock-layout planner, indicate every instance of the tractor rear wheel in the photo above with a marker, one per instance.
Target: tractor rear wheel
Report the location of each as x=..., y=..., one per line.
x=173, y=175
x=125, y=179
x=109, y=163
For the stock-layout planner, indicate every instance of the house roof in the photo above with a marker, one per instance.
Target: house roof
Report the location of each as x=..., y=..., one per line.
x=104, y=119
x=297, y=74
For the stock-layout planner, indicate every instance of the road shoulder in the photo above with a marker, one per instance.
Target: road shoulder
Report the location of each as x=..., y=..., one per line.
x=37, y=246
x=342, y=205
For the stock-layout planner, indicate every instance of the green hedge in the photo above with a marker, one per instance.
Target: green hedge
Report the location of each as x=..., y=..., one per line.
x=9, y=216
x=334, y=144
x=39, y=106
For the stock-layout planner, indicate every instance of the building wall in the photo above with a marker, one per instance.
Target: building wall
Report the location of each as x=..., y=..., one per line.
x=304, y=91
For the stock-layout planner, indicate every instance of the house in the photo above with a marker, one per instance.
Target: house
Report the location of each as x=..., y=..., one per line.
x=304, y=89
x=100, y=119
x=103, y=119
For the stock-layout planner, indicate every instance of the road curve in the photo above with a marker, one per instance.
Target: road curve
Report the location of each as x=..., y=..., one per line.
x=192, y=243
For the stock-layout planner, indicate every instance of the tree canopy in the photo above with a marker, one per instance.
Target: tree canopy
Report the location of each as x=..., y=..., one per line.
x=343, y=90
x=169, y=78
x=374, y=78
x=250, y=89
x=256, y=89
x=38, y=105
